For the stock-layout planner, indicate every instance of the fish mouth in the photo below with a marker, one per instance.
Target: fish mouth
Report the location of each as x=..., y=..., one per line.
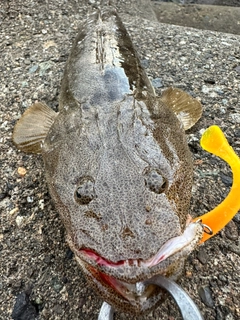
x=121, y=283
x=129, y=297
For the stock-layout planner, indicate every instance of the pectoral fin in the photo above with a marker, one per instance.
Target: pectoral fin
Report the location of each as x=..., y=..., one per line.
x=187, y=109
x=214, y=141
x=32, y=128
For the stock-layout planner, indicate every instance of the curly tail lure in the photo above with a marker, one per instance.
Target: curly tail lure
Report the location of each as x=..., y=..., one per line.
x=214, y=141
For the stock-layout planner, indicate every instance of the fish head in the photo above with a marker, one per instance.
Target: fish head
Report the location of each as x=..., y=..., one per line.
x=158, y=196
x=122, y=185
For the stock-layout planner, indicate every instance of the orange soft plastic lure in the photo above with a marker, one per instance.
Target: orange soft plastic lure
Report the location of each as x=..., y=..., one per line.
x=214, y=141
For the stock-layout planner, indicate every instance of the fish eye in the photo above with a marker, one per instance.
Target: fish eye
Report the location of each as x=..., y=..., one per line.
x=155, y=181
x=85, y=191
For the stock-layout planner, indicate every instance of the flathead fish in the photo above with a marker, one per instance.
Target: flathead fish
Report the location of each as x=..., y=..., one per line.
x=117, y=165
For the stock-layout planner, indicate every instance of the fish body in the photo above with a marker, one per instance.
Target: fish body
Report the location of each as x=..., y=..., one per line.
x=117, y=165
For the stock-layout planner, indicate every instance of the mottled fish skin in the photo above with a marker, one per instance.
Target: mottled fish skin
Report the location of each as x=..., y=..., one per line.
x=111, y=141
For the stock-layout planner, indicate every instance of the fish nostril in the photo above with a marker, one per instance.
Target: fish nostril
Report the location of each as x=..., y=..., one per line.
x=127, y=233
x=148, y=222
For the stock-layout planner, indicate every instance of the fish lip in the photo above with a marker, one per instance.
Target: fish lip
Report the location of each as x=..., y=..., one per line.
x=135, y=270
x=133, y=273
x=118, y=281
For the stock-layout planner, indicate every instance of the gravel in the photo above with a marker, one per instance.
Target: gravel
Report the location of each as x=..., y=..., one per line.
x=37, y=270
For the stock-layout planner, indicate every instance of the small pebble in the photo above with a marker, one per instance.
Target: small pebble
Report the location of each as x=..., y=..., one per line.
x=218, y=90
x=202, y=256
x=38, y=300
x=44, y=67
x=13, y=211
x=19, y=220
x=29, y=199
x=237, y=69
x=222, y=278
x=227, y=180
x=188, y=274
x=41, y=204
x=27, y=61
x=235, y=249
x=157, y=83
x=145, y=63
x=24, y=84
x=33, y=68
x=205, y=89
x=23, y=308
x=57, y=284
x=21, y=171
x=206, y=296
x=231, y=231
x=235, y=117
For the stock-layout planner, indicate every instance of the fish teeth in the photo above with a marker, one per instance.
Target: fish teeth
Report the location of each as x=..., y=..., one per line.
x=140, y=287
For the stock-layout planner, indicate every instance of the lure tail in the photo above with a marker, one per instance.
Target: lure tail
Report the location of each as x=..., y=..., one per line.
x=214, y=141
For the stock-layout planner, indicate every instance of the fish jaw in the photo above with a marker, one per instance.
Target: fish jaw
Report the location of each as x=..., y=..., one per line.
x=121, y=283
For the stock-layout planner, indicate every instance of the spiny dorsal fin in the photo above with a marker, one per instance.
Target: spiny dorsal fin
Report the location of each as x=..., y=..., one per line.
x=32, y=128
x=187, y=109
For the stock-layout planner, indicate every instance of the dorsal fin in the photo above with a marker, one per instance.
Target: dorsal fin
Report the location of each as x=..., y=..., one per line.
x=32, y=128
x=187, y=109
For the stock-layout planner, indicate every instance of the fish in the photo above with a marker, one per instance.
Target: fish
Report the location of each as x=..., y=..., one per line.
x=117, y=166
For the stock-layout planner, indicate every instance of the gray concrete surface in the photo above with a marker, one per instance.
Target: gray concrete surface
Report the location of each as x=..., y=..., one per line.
x=36, y=266
x=207, y=17
x=208, y=2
